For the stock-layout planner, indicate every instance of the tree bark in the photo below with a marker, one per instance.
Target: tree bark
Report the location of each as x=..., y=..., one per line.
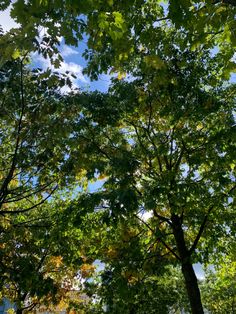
x=19, y=311
x=192, y=288
x=190, y=278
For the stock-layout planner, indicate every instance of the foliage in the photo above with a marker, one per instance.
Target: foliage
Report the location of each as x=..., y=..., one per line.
x=136, y=275
x=35, y=129
x=166, y=147
x=32, y=271
x=219, y=288
x=36, y=137
x=156, y=294
x=118, y=31
x=162, y=141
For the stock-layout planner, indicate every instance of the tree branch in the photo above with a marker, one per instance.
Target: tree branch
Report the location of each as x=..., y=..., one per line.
x=202, y=227
x=3, y=189
x=162, y=217
x=145, y=223
x=32, y=192
x=162, y=241
x=200, y=232
x=169, y=249
x=3, y=212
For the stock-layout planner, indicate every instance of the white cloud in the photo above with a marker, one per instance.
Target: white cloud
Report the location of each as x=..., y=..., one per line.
x=43, y=31
x=67, y=51
x=6, y=21
x=72, y=67
x=145, y=215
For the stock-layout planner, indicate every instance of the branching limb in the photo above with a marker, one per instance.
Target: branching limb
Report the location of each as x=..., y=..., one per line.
x=162, y=218
x=3, y=189
x=3, y=212
x=31, y=192
x=203, y=225
x=145, y=223
x=169, y=249
x=200, y=232
x=158, y=239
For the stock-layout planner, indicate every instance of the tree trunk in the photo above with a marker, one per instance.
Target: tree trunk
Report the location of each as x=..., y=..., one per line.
x=190, y=278
x=19, y=311
x=192, y=288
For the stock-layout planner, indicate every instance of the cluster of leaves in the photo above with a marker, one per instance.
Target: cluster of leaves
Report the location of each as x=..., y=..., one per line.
x=35, y=131
x=118, y=30
x=136, y=274
x=165, y=147
x=218, y=288
x=162, y=142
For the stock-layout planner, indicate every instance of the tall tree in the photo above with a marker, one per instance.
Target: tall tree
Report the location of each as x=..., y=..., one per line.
x=219, y=289
x=36, y=126
x=164, y=141
x=165, y=144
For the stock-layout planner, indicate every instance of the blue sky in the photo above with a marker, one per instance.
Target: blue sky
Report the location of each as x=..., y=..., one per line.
x=73, y=60
x=75, y=63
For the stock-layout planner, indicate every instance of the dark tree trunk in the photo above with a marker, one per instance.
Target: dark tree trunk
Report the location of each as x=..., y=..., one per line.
x=192, y=288
x=19, y=311
x=190, y=278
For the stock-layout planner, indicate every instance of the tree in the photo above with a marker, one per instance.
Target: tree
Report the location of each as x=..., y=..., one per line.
x=164, y=144
x=118, y=30
x=36, y=131
x=36, y=128
x=218, y=287
x=35, y=268
x=163, y=141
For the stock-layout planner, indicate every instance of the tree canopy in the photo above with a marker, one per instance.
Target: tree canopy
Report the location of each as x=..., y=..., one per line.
x=166, y=148
x=116, y=31
x=33, y=168
x=160, y=142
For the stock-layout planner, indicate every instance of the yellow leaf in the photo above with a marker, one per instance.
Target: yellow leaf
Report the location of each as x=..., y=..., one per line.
x=102, y=177
x=121, y=75
x=16, y=54
x=2, y=245
x=112, y=252
x=154, y=62
x=199, y=126
x=110, y=2
x=221, y=9
x=87, y=270
x=56, y=261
